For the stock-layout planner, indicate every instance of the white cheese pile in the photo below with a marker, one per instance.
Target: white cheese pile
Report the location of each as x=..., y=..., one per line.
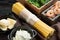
x=22, y=35
x=7, y=24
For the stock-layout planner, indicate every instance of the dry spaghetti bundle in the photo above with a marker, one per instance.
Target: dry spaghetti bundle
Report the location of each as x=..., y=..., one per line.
x=30, y=18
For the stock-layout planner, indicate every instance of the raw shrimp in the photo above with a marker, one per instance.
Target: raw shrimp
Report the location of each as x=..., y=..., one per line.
x=57, y=4
x=50, y=14
x=58, y=10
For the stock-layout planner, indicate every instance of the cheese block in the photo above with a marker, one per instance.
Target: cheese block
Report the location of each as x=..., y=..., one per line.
x=7, y=24
x=3, y=24
x=11, y=23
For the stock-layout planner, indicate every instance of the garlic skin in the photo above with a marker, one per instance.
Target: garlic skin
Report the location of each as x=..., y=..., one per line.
x=22, y=35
